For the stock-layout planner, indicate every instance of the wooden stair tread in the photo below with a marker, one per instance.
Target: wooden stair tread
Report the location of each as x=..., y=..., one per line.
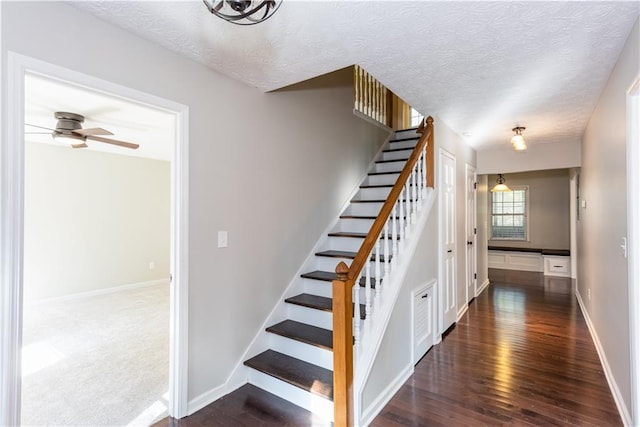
x=377, y=186
x=302, y=332
x=392, y=160
x=351, y=234
x=384, y=173
x=344, y=254
x=309, y=377
x=328, y=276
x=364, y=217
x=318, y=303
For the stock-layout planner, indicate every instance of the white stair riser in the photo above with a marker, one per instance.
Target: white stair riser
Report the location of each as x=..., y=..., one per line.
x=366, y=209
x=396, y=154
x=373, y=193
x=317, y=287
x=309, y=401
x=403, y=144
x=299, y=350
x=409, y=133
x=386, y=179
x=356, y=225
x=390, y=167
x=344, y=244
x=328, y=263
x=311, y=316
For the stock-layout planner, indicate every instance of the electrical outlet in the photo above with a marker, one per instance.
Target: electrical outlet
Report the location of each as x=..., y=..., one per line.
x=222, y=239
x=152, y=265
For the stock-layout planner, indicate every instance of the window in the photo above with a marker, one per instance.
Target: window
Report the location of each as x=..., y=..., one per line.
x=509, y=212
x=416, y=118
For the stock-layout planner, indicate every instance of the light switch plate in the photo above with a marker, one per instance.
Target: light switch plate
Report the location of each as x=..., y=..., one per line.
x=222, y=239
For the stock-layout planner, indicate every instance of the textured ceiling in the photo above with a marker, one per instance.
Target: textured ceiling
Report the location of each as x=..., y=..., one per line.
x=482, y=67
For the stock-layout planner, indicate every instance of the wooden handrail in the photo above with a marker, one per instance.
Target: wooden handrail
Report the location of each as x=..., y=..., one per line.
x=346, y=277
x=372, y=237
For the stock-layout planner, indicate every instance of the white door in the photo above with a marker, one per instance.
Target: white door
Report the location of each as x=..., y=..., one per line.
x=447, y=190
x=470, y=175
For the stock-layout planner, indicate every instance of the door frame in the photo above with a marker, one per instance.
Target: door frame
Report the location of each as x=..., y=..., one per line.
x=12, y=230
x=441, y=258
x=633, y=242
x=471, y=217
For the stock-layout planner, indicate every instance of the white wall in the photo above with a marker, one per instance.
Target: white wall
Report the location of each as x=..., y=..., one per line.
x=602, y=269
x=271, y=169
x=549, y=219
x=93, y=220
x=537, y=157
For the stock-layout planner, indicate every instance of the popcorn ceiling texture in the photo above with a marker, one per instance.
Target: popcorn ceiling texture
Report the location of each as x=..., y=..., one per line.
x=482, y=67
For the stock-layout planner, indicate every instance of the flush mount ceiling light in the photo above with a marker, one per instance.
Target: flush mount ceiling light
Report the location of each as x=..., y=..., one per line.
x=517, y=140
x=500, y=185
x=243, y=12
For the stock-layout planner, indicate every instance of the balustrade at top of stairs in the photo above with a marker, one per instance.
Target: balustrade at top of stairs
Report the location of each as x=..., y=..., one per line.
x=299, y=364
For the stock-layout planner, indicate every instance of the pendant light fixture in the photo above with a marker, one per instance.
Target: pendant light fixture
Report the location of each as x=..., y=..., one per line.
x=517, y=140
x=500, y=185
x=243, y=12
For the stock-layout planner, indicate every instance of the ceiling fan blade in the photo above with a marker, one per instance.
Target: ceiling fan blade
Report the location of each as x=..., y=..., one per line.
x=81, y=145
x=39, y=127
x=114, y=142
x=92, y=131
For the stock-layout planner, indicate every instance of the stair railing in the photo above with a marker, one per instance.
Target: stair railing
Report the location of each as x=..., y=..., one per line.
x=382, y=247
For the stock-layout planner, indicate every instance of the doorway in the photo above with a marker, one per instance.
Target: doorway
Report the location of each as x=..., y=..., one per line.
x=447, y=232
x=471, y=232
x=13, y=196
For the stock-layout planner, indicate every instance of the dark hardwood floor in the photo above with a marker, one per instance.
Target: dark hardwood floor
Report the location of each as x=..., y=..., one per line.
x=522, y=355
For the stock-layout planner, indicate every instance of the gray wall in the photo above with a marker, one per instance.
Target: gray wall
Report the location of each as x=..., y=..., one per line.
x=548, y=208
x=602, y=269
x=271, y=169
x=93, y=220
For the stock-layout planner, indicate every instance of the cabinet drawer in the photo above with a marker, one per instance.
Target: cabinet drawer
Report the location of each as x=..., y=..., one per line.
x=557, y=266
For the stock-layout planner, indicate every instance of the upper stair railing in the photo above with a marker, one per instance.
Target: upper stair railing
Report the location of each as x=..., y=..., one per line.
x=375, y=100
x=381, y=251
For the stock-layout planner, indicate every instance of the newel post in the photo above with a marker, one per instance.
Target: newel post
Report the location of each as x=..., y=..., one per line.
x=430, y=165
x=342, y=348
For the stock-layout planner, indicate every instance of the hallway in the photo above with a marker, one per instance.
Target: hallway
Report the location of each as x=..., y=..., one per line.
x=522, y=355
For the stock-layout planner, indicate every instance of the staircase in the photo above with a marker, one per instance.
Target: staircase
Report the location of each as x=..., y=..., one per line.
x=298, y=363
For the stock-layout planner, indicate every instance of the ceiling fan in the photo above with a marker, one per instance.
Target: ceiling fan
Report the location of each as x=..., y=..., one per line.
x=69, y=127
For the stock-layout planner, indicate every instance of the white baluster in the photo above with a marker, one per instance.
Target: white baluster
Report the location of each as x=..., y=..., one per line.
x=414, y=194
x=356, y=85
x=357, y=315
x=378, y=278
x=394, y=233
x=367, y=295
x=401, y=216
x=407, y=208
x=420, y=183
x=386, y=252
x=424, y=171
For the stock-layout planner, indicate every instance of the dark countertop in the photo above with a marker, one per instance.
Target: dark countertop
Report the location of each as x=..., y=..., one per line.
x=554, y=252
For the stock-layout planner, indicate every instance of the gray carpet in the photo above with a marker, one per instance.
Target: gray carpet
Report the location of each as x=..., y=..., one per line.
x=97, y=361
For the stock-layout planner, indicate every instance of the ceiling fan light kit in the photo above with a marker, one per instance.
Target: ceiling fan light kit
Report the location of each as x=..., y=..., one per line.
x=243, y=12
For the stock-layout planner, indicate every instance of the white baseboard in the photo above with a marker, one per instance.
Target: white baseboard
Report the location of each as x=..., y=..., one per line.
x=206, y=398
x=482, y=287
x=383, y=398
x=615, y=391
x=97, y=292
x=462, y=311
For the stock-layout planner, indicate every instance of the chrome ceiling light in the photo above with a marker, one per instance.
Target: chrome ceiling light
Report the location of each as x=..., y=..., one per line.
x=517, y=140
x=500, y=185
x=243, y=12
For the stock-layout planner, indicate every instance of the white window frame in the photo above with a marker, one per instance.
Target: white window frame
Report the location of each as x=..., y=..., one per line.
x=527, y=199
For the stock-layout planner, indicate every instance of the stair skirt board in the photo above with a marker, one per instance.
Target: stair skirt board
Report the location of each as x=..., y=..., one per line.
x=309, y=401
x=374, y=408
x=299, y=326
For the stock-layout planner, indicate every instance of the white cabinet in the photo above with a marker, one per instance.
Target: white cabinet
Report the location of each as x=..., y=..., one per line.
x=557, y=265
x=423, y=308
